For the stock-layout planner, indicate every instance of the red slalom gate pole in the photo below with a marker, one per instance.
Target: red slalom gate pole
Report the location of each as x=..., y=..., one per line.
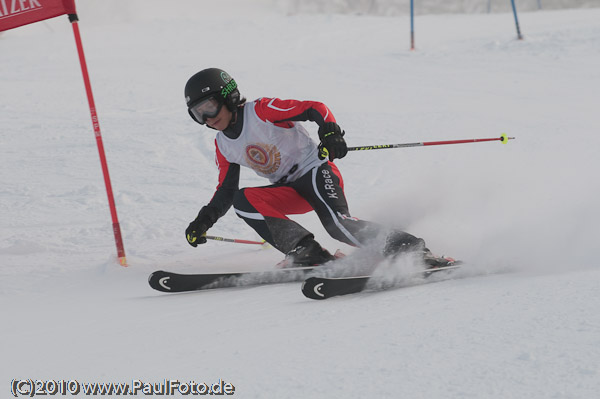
x=88, y=88
x=503, y=139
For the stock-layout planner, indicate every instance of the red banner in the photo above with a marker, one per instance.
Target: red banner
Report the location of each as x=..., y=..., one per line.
x=15, y=13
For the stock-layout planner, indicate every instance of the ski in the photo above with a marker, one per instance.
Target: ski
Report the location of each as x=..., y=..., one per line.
x=327, y=287
x=175, y=282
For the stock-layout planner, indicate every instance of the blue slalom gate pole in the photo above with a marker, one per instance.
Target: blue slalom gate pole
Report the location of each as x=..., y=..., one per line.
x=412, y=24
x=519, y=36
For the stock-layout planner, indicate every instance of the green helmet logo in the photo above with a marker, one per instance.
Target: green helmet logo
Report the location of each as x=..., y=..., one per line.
x=230, y=84
x=225, y=76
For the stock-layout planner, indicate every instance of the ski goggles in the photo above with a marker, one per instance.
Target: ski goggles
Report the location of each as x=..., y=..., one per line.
x=206, y=108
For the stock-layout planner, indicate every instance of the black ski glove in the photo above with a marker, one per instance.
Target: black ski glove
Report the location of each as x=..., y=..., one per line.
x=204, y=221
x=332, y=141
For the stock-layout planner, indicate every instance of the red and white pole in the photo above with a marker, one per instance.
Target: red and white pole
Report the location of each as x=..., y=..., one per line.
x=503, y=139
x=88, y=88
x=236, y=240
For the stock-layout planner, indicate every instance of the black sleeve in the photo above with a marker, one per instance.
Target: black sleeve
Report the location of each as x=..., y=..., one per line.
x=223, y=198
x=309, y=114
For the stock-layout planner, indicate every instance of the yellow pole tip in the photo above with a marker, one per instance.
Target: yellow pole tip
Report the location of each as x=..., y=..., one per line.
x=123, y=261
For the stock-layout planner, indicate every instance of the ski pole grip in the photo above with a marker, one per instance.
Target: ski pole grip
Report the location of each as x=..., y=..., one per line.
x=323, y=153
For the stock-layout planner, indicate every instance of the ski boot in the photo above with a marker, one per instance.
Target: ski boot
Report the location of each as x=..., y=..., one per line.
x=308, y=252
x=432, y=261
x=403, y=243
x=400, y=242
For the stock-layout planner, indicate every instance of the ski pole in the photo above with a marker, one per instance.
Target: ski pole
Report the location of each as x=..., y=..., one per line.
x=235, y=240
x=503, y=139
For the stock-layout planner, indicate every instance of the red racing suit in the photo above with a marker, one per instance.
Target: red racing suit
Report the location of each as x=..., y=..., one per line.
x=271, y=142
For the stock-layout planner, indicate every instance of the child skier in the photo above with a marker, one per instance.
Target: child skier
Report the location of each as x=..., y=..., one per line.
x=264, y=135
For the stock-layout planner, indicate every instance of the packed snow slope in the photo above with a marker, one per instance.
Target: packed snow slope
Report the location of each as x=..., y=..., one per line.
x=521, y=321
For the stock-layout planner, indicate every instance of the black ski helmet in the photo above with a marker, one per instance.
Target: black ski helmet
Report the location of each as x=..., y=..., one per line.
x=213, y=82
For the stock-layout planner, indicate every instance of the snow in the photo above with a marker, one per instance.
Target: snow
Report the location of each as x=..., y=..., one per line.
x=522, y=321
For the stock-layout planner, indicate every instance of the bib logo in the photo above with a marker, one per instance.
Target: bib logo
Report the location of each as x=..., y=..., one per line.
x=263, y=158
x=14, y=7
